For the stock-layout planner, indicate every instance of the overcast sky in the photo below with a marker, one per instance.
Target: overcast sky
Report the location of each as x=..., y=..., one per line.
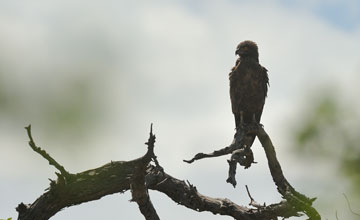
x=121, y=65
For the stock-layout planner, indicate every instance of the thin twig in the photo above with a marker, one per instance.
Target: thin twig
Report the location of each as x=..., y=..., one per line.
x=252, y=200
x=151, y=144
x=44, y=154
x=348, y=203
x=217, y=153
x=237, y=143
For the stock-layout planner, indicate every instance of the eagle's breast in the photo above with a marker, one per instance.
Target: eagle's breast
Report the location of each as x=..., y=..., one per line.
x=247, y=90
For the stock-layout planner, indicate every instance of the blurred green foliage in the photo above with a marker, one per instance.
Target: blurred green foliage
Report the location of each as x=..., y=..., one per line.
x=63, y=108
x=330, y=129
x=6, y=99
x=74, y=111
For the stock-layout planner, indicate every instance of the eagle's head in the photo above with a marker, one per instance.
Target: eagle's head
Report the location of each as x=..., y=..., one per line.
x=247, y=49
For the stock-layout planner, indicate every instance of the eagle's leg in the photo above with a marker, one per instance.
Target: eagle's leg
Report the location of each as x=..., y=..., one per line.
x=240, y=128
x=253, y=126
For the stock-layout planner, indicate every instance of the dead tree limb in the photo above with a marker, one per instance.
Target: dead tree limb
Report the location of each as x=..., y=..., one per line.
x=187, y=195
x=285, y=189
x=240, y=150
x=243, y=153
x=138, y=187
x=139, y=176
x=237, y=144
x=92, y=184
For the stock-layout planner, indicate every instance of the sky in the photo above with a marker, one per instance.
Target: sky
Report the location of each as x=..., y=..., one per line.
x=90, y=76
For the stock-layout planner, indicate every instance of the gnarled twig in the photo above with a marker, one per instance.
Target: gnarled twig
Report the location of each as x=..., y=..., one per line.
x=44, y=154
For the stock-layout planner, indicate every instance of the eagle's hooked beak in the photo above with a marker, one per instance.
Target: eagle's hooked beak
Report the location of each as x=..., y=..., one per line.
x=243, y=51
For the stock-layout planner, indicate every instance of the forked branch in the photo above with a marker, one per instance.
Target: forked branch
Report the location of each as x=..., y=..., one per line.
x=139, y=176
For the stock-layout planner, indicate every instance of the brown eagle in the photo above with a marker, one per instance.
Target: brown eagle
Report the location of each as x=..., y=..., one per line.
x=248, y=85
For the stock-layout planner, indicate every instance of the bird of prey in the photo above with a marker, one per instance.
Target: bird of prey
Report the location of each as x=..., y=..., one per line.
x=248, y=89
x=248, y=85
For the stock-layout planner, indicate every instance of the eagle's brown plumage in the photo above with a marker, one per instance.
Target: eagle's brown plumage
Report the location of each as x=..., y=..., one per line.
x=248, y=84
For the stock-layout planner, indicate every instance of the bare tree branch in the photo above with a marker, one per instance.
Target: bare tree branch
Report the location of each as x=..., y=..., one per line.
x=187, y=195
x=237, y=144
x=43, y=153
x=240, y=150
x=93, y=184
x=226, y=150
x=285, y=189
x=139, y=175
x=138, y=188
